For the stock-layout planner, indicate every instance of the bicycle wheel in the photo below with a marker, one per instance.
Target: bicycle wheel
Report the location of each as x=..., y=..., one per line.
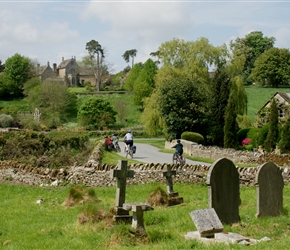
x=174, y=159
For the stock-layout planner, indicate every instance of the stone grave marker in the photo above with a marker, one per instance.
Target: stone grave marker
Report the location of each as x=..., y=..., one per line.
x=269, y=188
x=174, y=198
x=224, y=190
x=121, y=173
x=207, y=222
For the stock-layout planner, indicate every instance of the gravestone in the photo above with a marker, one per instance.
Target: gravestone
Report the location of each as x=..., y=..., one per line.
x=224, y=190
x=121, y=173
x=207, y=222
x=269, y=188
x=174, y=198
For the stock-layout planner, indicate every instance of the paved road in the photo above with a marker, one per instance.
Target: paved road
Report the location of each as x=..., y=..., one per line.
x=149, y=154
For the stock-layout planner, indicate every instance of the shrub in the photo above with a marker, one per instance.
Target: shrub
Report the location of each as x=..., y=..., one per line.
x=193, y=136
x=5, y=120
x=242, y=134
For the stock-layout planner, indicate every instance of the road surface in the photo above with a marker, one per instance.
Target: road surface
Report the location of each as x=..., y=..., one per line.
x=149, y=154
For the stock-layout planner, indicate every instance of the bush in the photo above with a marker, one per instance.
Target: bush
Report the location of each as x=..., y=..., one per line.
x=5, y=120
x=193, y=136
x=242, y=134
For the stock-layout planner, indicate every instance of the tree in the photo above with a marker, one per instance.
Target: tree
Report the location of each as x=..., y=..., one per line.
x=250, y=48
x=182, y=108
x=272, y=136
x=284, y=143
x=130, y=54
x=145, y=82
x=132, y=76
x=96, y=113
x=231, y=126
x=53, y=99
x=217, y=104
x=94, y=48
x=272, y=67
x=2, y=66
x=18, y=69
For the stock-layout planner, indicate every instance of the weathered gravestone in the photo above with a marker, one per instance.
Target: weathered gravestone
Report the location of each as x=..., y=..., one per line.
x=269, y=188
x=138, y=221
x=207, y=222
x=224, y=190
x=121, y=173
x=174, y=198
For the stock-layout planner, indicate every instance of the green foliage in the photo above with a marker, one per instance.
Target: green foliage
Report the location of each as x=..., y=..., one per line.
x=55, y=102
x=18, y=69
x=219, y=98
x=192, y=136
x=242, y=134
x=45, y=150
x=96, y=113
x=144, y=84
x=231, y=125
x=284, y=143
x=250, y=48
x=272, y=136
x=132, y=76
x=272, y=68
x=262, y=135
x=130, y=54
x=5, y=120
x=181, y=106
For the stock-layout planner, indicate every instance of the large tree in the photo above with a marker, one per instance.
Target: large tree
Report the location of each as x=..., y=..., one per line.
x=132, y=76
x=96, y=64
x=18, y=70
x=181, y=106
x=249, y=49
x=221, y=85
x=132, y=53
x=145, y=83
x=272, y=67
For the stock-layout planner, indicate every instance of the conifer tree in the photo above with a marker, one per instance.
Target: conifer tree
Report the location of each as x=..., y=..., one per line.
x=220, y=95
x=272, y=136
x=284, y=143
x=231, y=126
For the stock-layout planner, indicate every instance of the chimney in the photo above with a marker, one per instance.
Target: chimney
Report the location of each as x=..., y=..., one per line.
x=62, y=58
x=54, y=67
x=48, y=64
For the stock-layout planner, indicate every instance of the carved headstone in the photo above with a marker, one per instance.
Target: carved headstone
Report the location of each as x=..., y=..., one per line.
x=207, y=222
x=224, y=190
x=269, y=187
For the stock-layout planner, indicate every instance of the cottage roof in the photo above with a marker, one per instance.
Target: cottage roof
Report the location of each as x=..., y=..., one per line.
x=284, y=96
x=40, y=69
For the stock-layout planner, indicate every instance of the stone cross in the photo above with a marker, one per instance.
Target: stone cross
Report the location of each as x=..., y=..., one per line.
x=37, y=115
x=121, y=173
x=168, y=174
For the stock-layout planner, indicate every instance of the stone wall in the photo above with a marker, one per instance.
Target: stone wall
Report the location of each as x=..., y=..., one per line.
x=96, y=174
x=237, y=156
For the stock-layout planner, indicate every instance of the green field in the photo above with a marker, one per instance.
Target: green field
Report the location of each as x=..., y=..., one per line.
x=50, y=225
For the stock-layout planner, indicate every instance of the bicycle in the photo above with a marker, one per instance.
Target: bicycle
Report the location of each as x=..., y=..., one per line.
x=128, y=151
x=178, y=159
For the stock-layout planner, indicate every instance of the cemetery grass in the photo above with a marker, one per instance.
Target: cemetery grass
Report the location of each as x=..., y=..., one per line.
x=50, y=225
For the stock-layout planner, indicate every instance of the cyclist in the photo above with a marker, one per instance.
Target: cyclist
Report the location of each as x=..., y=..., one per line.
x=128, y=139
x=115, y=140
x=109, y=143
x=179, y=149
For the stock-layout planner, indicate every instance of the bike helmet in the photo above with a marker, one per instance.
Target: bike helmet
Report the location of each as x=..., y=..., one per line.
x=129, y=131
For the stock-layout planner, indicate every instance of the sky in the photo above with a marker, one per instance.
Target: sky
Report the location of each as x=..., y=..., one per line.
x=47, y=31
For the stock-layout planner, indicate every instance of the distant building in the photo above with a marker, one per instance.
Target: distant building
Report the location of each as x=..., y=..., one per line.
x=67, y=71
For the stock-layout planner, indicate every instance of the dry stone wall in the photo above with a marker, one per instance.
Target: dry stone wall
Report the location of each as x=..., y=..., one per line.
x=96, y=174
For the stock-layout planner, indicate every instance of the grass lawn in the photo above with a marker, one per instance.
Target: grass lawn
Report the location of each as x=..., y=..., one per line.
x=51, y=225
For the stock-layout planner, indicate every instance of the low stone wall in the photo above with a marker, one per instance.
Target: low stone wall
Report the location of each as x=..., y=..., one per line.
x=236, y=156
x=99, y=174
x=96, y=174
